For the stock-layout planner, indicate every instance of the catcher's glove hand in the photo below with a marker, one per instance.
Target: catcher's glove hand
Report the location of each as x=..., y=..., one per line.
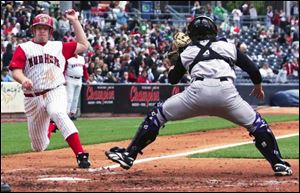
x=173, y=56
x=181, y=40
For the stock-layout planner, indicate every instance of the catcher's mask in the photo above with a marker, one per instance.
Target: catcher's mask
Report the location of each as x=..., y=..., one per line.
x=43, y=19
x=202, y=28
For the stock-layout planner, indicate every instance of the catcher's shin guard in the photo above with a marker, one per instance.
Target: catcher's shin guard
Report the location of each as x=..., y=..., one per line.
x=147, y=131
x=265, y=141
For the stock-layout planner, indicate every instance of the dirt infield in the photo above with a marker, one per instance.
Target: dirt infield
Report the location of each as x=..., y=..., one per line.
x=28, y=172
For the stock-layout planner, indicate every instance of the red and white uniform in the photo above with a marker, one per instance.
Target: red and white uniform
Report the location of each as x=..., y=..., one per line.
x=44, y=65
x=76, y=69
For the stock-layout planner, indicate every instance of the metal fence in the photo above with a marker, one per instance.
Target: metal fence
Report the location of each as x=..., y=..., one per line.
x=181, y=19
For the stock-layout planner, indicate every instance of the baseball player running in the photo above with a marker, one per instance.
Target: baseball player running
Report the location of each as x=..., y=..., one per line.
x=76, y=68
x=210, y=63
x=39, y=65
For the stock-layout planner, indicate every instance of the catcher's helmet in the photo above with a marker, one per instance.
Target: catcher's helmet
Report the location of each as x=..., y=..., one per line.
x=202, y=28
x=43, y=19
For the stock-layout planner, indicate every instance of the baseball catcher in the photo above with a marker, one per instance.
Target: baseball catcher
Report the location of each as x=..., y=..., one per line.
x=210, y=61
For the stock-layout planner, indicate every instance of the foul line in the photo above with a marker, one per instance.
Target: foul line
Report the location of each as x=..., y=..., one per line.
x=185, y=153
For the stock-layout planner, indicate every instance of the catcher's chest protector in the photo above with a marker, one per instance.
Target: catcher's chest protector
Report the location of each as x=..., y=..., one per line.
x=214, y=92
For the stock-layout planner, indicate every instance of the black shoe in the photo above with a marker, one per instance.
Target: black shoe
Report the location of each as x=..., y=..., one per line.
x=5, y=187
x=119, y=155
x=282, y=169
x=83, y=160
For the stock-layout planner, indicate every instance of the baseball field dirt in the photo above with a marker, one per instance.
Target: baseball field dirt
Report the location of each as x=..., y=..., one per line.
x=57, y=170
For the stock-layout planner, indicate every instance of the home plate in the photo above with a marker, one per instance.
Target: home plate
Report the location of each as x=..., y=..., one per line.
x=70, y=179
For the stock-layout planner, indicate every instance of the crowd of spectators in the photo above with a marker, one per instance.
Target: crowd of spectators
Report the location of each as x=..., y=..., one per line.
x=127, y=49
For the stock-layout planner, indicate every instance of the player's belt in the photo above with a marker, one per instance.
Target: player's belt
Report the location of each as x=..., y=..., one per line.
x=37, y=93
x=76, y=77
x=221, y=78
x=41, y=93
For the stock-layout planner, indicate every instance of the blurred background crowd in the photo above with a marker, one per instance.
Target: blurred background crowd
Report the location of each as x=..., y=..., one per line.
x=130, y=46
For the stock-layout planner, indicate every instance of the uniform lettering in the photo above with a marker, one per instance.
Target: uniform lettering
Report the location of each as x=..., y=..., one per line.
x=30, y=61
x=47, y=58
x=56, y=61
x=35, y=60
x=43, y=59
x=76, y=65
x=50, y=59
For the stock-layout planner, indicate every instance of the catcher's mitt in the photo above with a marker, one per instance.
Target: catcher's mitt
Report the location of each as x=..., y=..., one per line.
x=181, y=40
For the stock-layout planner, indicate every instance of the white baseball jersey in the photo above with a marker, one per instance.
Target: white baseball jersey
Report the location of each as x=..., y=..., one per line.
x=210, y=68
x=75, y=66
x=44, y=64
x=74, y=73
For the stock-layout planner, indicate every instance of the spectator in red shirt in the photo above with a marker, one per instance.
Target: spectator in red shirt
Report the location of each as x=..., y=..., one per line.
x=290, y=66
x=276, y=18
x=131, y=74
x=143, y=77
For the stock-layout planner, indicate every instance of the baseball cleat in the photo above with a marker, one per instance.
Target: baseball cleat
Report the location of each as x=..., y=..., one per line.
x=282, y=170
x=83, y=160
x=119, y=155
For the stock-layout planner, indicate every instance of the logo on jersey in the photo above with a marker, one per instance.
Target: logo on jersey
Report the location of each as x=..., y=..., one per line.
x=76, y=65
x=206, y=53
x=41, y=59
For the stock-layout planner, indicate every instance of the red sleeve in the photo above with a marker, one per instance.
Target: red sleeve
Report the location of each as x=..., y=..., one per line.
x=18, y=60
x=86, y=73
x=69, y=49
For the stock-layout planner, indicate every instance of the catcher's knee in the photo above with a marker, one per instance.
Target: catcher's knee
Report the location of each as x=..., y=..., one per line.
x=156, y=115
x=155, y=119
x=259, y=124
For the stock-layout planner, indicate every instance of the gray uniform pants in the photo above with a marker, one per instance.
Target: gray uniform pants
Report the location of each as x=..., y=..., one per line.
x=210, y=97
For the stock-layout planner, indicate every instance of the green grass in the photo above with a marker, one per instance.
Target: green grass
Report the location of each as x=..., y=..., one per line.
x=289, y=148
x=15, y=139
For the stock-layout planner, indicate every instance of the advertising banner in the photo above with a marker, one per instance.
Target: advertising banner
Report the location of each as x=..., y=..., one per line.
x=97, y=98
x=125, y=98
x=12, y=98
x=136, y=98
x=140, y=98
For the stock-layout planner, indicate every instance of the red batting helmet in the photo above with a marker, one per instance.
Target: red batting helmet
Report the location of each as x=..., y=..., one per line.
x=43, y=19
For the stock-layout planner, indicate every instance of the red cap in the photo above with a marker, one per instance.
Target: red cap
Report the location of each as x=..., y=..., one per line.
x=43, y=19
